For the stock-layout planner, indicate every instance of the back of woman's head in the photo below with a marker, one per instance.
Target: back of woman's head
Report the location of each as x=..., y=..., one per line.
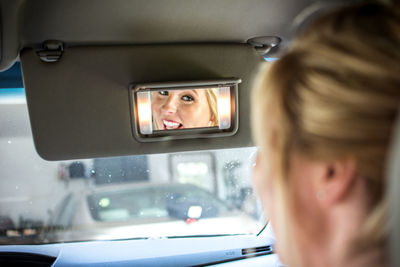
x=336, y=94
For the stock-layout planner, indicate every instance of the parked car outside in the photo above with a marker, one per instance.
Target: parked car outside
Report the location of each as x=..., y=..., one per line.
x=143, y=210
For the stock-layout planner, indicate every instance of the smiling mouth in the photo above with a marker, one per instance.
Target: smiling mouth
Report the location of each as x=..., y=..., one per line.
x=171, y=125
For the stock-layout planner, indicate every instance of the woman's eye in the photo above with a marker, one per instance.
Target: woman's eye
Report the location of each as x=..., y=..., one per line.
x=187, y=98
x=163, y=92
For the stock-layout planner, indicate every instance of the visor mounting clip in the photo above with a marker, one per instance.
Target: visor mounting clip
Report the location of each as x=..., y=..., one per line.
x=264, y=44
x=51, y=51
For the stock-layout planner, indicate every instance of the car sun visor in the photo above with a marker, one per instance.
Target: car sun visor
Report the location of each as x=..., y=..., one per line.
x=80, y=104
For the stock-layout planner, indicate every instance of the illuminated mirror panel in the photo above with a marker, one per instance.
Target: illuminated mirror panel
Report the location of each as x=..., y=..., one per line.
x=184, y=109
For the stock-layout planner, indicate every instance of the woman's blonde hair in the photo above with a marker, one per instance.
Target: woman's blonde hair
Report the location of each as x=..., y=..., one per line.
x=212, y=98
x=335, y=95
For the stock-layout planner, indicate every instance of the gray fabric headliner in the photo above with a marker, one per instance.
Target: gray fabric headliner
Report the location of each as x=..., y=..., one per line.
x=27, y=23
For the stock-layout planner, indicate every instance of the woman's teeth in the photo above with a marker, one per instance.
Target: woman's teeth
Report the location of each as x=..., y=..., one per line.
x=171, y=125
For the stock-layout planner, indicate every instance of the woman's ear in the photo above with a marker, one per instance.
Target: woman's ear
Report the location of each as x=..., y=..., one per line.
x=337, y=181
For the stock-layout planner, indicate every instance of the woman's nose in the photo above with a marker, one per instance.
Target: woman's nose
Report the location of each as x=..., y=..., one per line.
x=170, y=106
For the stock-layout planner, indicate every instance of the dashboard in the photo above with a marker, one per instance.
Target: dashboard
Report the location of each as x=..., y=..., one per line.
x=236, y=250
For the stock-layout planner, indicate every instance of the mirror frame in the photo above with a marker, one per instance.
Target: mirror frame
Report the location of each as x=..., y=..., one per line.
x=204, y=132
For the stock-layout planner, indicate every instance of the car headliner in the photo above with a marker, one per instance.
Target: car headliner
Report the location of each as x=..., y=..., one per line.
x=100, y=22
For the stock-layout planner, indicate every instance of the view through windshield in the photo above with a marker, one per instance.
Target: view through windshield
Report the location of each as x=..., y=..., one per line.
x=162, y=195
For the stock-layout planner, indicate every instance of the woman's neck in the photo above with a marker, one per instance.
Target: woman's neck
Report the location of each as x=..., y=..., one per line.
x=345, y=227
x=373, y=256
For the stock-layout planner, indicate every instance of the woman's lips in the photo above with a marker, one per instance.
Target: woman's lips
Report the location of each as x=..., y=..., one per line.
x=171, y=125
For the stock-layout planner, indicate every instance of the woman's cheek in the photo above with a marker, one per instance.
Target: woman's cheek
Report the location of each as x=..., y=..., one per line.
x=261, y=185
x=264, y=181
x=183, y=112
x=268, y=199
x=188, y=115
x=156, y=110
x=156, y=107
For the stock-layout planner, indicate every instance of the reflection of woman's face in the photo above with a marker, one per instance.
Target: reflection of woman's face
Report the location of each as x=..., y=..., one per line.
x=178, y=109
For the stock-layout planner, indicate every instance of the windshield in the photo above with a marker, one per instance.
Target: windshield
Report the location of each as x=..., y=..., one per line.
x=178, y=194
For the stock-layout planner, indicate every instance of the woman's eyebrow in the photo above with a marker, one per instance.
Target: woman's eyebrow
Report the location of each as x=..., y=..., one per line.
x=188, y=90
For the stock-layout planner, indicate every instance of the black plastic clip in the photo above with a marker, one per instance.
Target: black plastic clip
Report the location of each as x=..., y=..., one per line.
x=51, y=51
x=264, y=44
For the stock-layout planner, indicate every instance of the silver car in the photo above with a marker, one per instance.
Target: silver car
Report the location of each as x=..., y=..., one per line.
x=139, y=210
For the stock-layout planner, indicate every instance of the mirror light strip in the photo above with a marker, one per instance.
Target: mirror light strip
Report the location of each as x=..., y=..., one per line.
x=144, y=112
x=224, y=108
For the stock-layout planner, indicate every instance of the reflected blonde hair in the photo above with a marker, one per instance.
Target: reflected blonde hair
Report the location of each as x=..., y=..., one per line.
x=335, y=95
x=212, y=98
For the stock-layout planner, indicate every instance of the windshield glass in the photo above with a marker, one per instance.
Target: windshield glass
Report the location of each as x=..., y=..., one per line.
x=163, y=195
